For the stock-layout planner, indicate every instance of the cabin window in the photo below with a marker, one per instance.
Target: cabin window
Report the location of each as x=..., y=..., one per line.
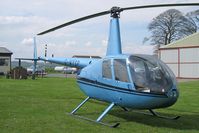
x=120, y=70
x=4, y=62
x=106, y=69
x=150, y=75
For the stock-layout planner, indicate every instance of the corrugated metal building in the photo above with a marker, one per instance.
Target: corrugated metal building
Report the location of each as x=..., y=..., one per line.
x=5, y=60
x=182, y=56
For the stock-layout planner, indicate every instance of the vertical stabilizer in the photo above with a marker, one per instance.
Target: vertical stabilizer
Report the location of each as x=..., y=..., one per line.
x=114, y=42
x=35, y=48
x=34, y=58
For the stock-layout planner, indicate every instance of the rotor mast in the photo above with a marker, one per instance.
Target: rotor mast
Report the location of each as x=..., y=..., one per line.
x=114, y=41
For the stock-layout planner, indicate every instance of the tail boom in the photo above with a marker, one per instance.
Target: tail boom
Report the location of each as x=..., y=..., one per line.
x=71, y=62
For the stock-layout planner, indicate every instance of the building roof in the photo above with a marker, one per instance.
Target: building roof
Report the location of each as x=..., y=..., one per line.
x=4, y=50
x=189, y=41
x=86, y=56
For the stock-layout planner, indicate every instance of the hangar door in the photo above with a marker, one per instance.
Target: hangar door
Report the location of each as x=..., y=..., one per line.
x=189, y=63
x=184, y=62
x=170, y=57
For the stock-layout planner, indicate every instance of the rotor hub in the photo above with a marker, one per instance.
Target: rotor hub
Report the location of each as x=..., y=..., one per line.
x=115, y=12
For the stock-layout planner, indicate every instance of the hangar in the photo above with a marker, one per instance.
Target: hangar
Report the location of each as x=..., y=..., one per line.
x=182, y=56
x=5, y=60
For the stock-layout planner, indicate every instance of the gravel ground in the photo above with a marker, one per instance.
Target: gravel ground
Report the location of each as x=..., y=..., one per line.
x=61, y=75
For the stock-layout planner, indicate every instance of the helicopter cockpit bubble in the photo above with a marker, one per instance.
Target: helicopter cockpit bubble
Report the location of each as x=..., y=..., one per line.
x=150, y=74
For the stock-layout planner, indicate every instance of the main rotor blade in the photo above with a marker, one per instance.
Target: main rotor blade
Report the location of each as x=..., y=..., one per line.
x=160, y=5
x=75, y=21
x=115, y=10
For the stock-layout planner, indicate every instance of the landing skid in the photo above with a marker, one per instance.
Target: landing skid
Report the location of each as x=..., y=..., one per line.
x=91, y=120
x=153, y=113
x=99, y=118
x=164, y=117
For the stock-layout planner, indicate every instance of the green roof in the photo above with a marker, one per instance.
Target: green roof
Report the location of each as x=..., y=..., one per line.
x=189, y=41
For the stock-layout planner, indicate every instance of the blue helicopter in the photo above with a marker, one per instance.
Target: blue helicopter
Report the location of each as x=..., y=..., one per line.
x=130, y=81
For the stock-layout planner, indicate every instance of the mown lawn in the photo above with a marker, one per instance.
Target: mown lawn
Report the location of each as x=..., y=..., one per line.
x=41, y=106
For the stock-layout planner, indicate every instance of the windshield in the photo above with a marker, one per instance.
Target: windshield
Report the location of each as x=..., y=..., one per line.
x=149, y=74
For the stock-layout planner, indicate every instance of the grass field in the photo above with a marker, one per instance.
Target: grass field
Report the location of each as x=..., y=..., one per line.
x=40, y=106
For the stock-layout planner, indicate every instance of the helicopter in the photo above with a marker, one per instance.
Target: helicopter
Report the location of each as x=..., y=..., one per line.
x=130, y=81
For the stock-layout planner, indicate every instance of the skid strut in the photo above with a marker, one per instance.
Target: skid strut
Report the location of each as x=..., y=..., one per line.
x=164, y=117
x=98, y=120
x=105, y=112
x=82, y=103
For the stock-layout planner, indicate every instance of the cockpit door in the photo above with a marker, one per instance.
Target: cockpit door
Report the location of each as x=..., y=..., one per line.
x=121, y=76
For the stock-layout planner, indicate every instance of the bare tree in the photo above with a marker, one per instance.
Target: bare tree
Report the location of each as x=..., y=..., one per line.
x=194, y=17
x=169, y=26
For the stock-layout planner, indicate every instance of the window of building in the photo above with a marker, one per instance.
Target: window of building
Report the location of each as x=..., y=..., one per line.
x=4, y=62
x=106, y=69
x=120, y=70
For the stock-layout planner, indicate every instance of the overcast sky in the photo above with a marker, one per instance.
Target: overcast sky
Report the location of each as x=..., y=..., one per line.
x=20, y=20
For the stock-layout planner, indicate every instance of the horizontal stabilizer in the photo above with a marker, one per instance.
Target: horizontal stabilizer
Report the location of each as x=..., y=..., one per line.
x=31, y=59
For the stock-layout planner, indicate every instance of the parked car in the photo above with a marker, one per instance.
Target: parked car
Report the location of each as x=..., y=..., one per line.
x=64, y=69
x=39, y=70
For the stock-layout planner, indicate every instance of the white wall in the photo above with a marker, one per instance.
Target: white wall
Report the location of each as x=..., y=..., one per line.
x=169, y=56
x=174, y=68
x=189, y=70
x=189, y=61
x=189, y=55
